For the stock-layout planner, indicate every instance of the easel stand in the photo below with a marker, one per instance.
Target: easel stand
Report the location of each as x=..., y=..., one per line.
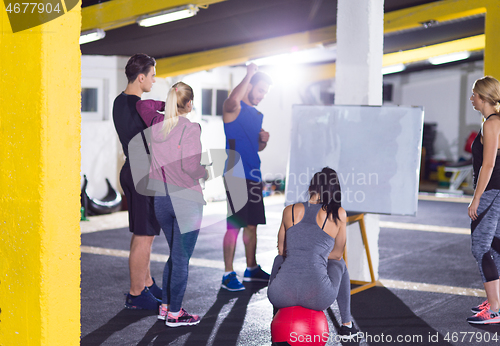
x=364, y=285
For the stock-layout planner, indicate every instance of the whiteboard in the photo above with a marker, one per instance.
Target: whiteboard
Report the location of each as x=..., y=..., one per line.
x=375, y=151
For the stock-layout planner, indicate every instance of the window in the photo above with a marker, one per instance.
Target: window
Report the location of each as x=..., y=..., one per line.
x=206, y=102
x=387, y=92
x=89, y=99
x=221, y=97
x=92, y=107
x=212, y=101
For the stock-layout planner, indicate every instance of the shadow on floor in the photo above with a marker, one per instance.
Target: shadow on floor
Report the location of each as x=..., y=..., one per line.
x=122, y=320
x=336, y=338
x=492, y=329
x=211, y=329
x=385, y=319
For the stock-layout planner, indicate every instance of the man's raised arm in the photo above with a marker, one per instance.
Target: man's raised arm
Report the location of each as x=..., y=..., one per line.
x=231, y=107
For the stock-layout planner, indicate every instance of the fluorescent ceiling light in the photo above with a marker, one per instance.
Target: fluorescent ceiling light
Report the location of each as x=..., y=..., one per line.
x=443, y=59
x=273, y=60
x=306, y=56
x=168, y=16
x=393, y=69
x=92, y=35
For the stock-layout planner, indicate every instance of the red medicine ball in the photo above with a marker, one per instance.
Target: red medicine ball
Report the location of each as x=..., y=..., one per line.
x=300, y=326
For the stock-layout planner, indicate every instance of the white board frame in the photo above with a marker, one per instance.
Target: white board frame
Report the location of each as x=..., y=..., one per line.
x=376, y=151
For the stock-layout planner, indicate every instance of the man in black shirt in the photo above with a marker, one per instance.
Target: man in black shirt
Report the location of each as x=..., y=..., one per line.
x=144, y=293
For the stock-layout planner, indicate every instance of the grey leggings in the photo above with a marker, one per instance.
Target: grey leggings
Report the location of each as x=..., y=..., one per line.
x=485, y=234
x=341, y=285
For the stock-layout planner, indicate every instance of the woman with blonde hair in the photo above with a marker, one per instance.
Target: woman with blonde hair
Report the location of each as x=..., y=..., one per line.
x=175, y=165
x=484, y=209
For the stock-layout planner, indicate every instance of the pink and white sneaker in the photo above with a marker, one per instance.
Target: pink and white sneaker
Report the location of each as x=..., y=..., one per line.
x=183, y=319
x=485, y=317
x=162, y=313
x=481, y=307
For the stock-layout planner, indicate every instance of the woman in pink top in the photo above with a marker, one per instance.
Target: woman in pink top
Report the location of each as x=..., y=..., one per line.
x=175, y=167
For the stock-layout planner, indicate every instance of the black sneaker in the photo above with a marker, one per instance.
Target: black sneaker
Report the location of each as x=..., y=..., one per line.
x=347, y=334
x=144, y=301
x=256, y=275
x=155, y=290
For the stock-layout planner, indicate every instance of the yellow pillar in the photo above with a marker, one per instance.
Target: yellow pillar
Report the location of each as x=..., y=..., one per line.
x=492, y=46
x=40, y=182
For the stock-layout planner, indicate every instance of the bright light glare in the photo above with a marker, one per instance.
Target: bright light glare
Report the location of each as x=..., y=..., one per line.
x=282, y=68
x=443, y=59
x=285, y=69
x=393, y=69
x=285, y=74
x=274, y=60
x=92, y=35
x=170, y=16
x=306, y=56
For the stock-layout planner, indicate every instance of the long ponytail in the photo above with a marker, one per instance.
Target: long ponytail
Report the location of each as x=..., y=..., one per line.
x=178, y=97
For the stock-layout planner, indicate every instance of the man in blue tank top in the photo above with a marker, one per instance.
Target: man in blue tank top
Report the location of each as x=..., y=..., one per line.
x=244, y=139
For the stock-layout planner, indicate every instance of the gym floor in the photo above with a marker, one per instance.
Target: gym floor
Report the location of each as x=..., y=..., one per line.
x=428, y=283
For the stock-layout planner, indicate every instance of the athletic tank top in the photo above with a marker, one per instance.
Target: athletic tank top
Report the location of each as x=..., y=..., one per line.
x=477, y=162
x=242, y=135
x=307, y=245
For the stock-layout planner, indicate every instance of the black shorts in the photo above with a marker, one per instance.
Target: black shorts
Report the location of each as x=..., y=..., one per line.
x=141, y=211
x=252, y=212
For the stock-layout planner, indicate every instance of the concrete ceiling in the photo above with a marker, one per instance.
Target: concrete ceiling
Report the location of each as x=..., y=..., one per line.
x=237, y=22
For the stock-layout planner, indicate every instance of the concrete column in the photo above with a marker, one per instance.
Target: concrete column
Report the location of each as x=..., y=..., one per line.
x=492, y=48
x=40, y=181
x=360, y=40
x=358, y=81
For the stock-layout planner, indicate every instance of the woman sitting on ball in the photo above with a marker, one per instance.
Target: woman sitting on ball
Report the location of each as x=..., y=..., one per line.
x=309, y=270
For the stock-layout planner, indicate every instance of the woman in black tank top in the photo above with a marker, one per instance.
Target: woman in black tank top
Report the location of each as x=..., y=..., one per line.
x=484, y=209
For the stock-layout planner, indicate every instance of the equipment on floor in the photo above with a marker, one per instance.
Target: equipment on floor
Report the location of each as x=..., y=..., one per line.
x=461, y=171
x=93, y=206
x=297, y=325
